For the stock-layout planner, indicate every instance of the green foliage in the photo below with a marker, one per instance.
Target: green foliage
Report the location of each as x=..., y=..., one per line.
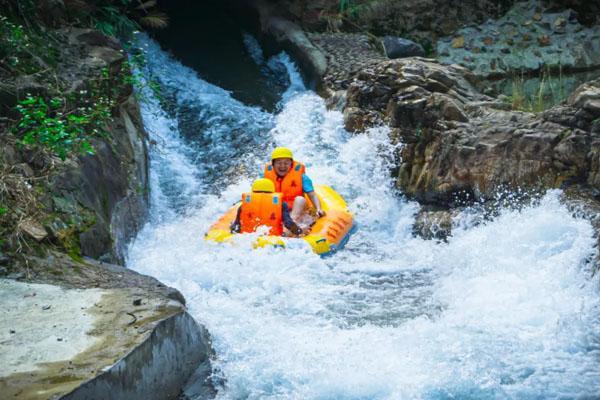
x=3, y=211
x=46, y=124
x=24, y=51
x=113, y=22
x=428, y=47
x=64, y=124
x=121, y=18
x=349, y=8
x=344, y=5
x=135, y=64
x=535, y=95
x=418, y=132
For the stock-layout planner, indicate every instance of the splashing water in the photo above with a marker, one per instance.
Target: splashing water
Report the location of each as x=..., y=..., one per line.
x=505, y=309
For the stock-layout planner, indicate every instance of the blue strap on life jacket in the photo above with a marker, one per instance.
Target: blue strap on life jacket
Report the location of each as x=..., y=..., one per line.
x=275, y=200
x=298, y=167
x=248, y=198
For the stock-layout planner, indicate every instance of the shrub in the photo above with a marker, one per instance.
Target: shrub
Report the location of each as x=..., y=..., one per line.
x=47, y=124
x=537, y=94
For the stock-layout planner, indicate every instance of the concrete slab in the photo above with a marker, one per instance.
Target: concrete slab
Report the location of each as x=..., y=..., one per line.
x=43, y=324
x=85, y=330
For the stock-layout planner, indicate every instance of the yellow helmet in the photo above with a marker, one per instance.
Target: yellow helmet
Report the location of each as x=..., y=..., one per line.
x=281, y=152
x=263, y=185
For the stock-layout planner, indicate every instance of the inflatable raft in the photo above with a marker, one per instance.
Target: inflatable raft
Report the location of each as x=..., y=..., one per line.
x=328, y=234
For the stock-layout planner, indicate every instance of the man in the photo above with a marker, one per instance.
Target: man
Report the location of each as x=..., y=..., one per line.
x=289, y=178
x=263, y=207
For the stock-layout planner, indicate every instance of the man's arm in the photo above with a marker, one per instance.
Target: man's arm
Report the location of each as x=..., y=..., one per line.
x=307, y=187
x=315, y=200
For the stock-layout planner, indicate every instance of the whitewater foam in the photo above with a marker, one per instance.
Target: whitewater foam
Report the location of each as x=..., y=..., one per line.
x=504, y=309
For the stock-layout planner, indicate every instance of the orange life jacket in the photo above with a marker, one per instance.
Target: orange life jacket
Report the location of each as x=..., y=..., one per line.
x=261, y=209
x=290, y=185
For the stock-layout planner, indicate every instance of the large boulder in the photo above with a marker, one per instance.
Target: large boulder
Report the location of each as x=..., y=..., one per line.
x=397, y=47
x=292, y=38
x=458, y=142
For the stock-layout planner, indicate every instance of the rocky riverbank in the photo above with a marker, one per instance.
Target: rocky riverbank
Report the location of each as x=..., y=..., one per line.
x=73, y=192
x=458, y=142
x=89, y=204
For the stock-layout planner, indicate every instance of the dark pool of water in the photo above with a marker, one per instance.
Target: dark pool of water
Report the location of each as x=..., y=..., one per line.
x=207, y=37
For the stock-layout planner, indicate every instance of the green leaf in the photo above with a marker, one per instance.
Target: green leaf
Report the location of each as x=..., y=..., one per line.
x=56, y=102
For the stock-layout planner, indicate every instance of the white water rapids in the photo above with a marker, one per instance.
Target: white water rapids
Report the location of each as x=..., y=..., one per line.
x=505, y=309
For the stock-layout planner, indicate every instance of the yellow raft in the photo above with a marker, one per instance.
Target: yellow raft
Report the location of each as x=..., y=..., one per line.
x=328, y=234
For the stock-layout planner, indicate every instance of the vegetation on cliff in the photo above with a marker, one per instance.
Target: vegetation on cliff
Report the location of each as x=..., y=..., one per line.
x=62, y=82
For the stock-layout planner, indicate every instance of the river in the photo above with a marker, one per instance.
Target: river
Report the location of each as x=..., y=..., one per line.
x=505, y=309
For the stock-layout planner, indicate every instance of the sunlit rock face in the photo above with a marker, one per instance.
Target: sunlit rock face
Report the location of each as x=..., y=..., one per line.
x=456, y=139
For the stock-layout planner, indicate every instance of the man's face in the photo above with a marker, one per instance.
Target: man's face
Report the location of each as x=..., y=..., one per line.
x=282, y=166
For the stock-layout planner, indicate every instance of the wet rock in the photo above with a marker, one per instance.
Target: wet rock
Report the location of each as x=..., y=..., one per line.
x=447, y=108
x=93, y=37
x=458, y=42
x=176, y=295
x=433, y=224
x=594, y=158
x=66, y=204
x=488, y=41
x=16, y=275
x=104, y=57
x=396, y=47
x=457, y=140
x=95, y=241
x=560, y=24
x=55, y=228
x=292, y=37
x=354, y=119
x=33, y=229
x=104, y=196
x=422, y=20
x=587, y=97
